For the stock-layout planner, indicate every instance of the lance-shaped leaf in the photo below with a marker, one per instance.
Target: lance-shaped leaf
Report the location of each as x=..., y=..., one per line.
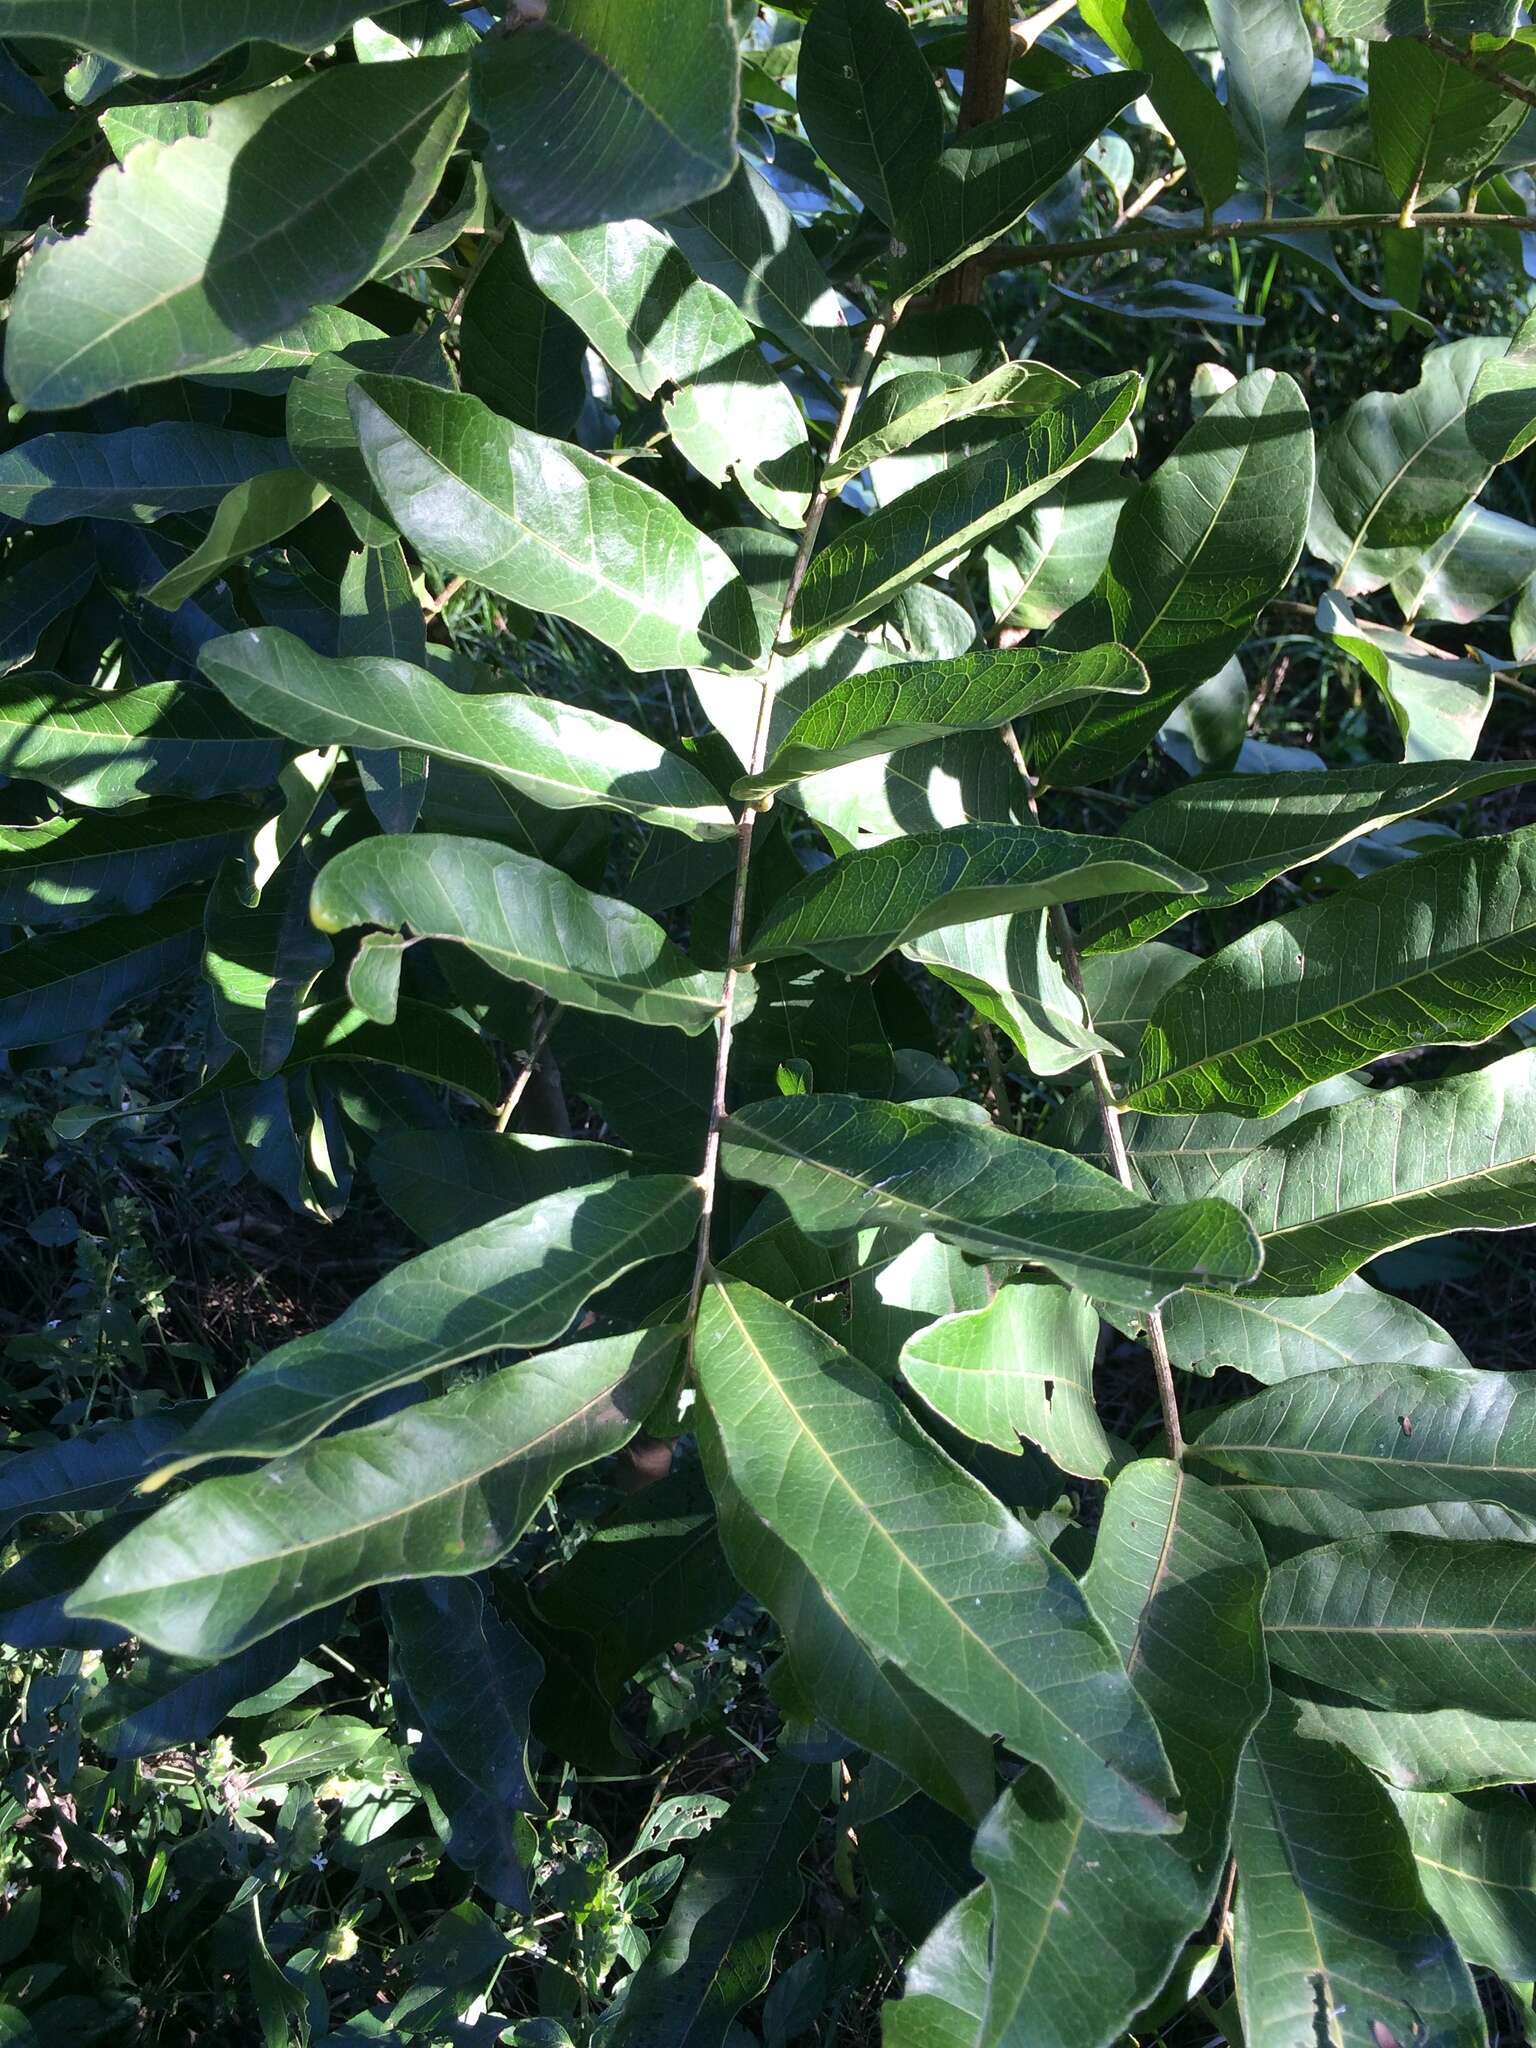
x=1007, y=971
x=1212, y=536
x=67, y=982
x=742, y=1889
x=1279, y=1339
x=1187, y=104
x=1177, y=1578
x=841, y=1164
x=95, y=1469
x=867, y=1700
x=1435, y=951
x=442, y=1489
x=463, y=1681
x=1412, y=17
x=1381, y=1436
x=561, y=755
x=1241, y=831
x=518, y=351
x=988, y=179
x=1268, y=53
x=261, y=958
x=198, y=248
x=949, y=513
x=68, y=868
x=1410, y=1622
x=520, y=1281
x=880, y=712
x=868, y=102
x=166, y=39
x=921, y=1561
x=853, y=912
x=1395, y=470
x=1436, y=123
x=1444, y=1750
x=1290, y=1521
x=905, y=409
x=442, y=1182
x=251, y=515
x=664, y=107
x=324, y=440
x=551, y=527
x=1342, y=1185
x=1438, y=701
x=1476, y=1858
x=163, y=1702
x=525, y=919
x=945, y=1984
x=104, y=748
x=137, y=474
x=1021, y=1368
x=631, y=292
x=1332, y=1938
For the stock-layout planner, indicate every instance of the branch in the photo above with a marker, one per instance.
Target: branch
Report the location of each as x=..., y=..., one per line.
x=709, y=1172
x=1487, y=72
x=1018, y=255
x=988, y=46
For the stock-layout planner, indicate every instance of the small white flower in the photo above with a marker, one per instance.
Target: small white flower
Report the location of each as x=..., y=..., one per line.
x=174, y=1893
x=319, y=1862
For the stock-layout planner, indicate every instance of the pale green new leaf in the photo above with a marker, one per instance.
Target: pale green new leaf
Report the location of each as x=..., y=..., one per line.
x=1435, y=951
x=987, y=180
x=1241, y=831
x=1476, y=1857
x=921, y=1561
x=526, y=919
x=197, y=249
x=873, y=713
x=444, y=1488
x=560, y=755
x=551, y=527
x=841, y=1164
x=253, y=513
x=1332, y=1939
x=1021, y=1368
x=949, y=513
x=105, y=748
x=868, y=102
x=853, y=912
x=520, y=1282
x=1344, y=1184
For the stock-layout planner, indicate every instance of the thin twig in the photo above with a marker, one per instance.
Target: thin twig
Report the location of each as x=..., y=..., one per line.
x=1019, y=255
x=1109, y=1118
x=1029, y=32
x=449, y=590
x=548, y=1019
x=709, y=1172
x=1001, y=1108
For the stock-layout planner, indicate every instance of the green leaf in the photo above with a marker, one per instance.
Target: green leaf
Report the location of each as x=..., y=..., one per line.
x=921, y=1561
x=1006, y=970
x=1444, y=1750
x=1345, y=1184
x=1412, y=17
x=853, y=912
x=261, y=958
x=1410, y=1622
x=1476, y=1858
x=69, y=982
x=561, y=755
x=520, y=1281
x=1433, y=951
x=1268, y=54
x=1478, y=564
x=865, y=1698
x=1292, y=1520
x=180, y=268
x=519, y=352
x=465, y=1680
x=1501, y=417
x=324, y=440
x=1198, y=122
x=1381, y=1436
x=1435, y=122
x=444, y=1488
x=1332, y=1939
x=987, y=179
x=380, y=616
x=906, y=409
x=1439, y=702
x=657, y=113
x=104, y=748
x=1208, y=540
x=268, y=369
x=949, y=513
x=251, y=515
x=744, y=241
x=440, y=1183
x=67, y=868
x=1177, y=1578
x=878, y=713
x=167, y=38
x=1241, y=831
x=841, y=1165
x=867, y=99
x=94, y=1469
x=631, y=292
x=552, y=528
x=1020, y=1368
x=944, y=1989
x=1281, y=1339
x=137, y=474
x=526, y=920
x=742, y=1889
